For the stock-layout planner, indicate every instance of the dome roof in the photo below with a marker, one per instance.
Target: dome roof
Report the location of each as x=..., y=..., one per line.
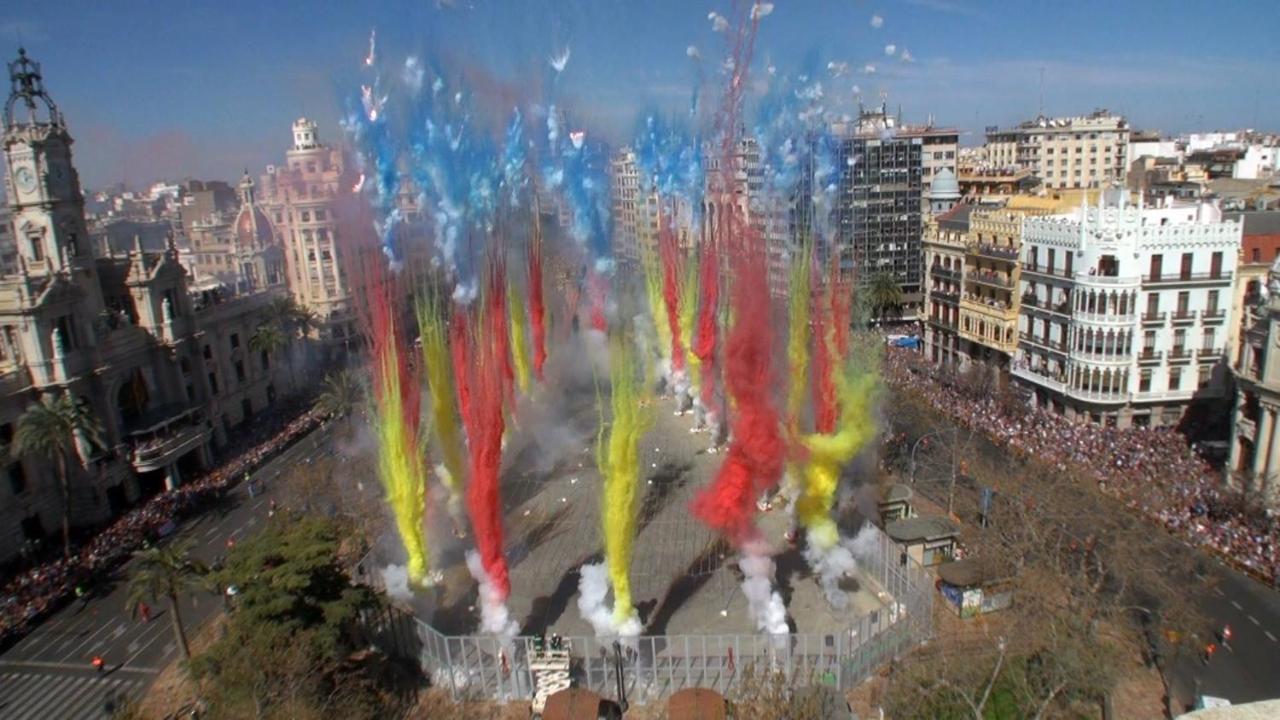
x=253, y=229
x=944, y=185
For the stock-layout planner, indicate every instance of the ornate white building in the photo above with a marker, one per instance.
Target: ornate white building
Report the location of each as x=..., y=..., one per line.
x=1255, y=429
x=1124, y=309
x=166, y=374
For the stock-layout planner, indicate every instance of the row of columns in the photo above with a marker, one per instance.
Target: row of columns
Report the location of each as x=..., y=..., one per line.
x=1266, y=441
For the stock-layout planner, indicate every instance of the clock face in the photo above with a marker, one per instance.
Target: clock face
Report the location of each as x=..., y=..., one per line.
x=25, y=178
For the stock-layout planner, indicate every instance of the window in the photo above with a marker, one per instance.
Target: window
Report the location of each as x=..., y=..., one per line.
x=1052, y=259
x=1211, y=307
x=1185, y=270
x=1184, y=303
x=1066, y=268
x=240, y=371
x=306, y=216
x=1153, y=304
x=37, y=248
x=246, y=408
x=1149, y=342
x=213, y=382
x=1144, y=381
x=1207, y=344
x=1203, y=376
x=208, y=352
x=235, y=340
x=1156, y=262
x=1175, y=378
x=1179, y=340
x=319, y=215
x=1215, y=265
x=1257, y=255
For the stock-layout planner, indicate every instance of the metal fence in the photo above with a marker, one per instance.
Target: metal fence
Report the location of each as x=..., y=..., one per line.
x=655, y=666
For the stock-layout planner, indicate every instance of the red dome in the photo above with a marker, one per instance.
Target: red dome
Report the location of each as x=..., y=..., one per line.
x=253, y=229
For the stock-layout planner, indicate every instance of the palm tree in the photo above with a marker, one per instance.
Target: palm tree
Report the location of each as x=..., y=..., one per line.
x=166, y=572
x=48, y=430
x=268, y=339
x=340, y=394
x=883, y=293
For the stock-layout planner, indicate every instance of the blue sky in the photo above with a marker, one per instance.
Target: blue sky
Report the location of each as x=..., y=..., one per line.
x=165, y=89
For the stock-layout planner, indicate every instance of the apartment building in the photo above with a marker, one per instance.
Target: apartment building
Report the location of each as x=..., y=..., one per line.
x=1124, y=309
x=1089, y=151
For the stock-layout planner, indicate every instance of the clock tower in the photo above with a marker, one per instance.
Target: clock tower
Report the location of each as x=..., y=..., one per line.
x=43, y=189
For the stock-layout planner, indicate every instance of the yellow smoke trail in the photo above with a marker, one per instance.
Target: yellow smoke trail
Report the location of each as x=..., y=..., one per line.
x=856, y=386
x=689, y=313
x=798, y=331
x=401, y=467
x=657, y=308
x=444, y=413
x=519, y=349
x=618, y=457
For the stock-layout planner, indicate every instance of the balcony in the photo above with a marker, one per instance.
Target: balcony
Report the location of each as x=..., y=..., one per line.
x=1187, y=278
x=948, y=296
x=1184, y=317
x=1041, y=342
x=1209, y=353
x=991, y=279
x=1038, y=377
x=1179, y=354
x=1045, y=271
x=990, y=310
x=1154, y=318
x=941, y=324
x=1213, y=317
x=1106, y=281
x=1149, y=356
x=940, y=272
x=995, y=252
x=164, y=434
x=1106, y=318
x=1245, y=428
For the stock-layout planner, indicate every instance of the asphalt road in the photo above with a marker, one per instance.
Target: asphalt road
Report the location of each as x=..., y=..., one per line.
x=1249, y=668
x=48, y=674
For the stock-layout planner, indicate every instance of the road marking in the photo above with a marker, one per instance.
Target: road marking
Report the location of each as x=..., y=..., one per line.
x=20, y=664
x=1254, y=620
x=213, y=530
x=1236, y=605
x=1219, y=591
x=1270, y=637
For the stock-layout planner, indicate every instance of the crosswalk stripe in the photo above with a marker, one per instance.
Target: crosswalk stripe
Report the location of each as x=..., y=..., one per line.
x=89, y=701
x=45, y=693
x=10, y=683
x=31, y=690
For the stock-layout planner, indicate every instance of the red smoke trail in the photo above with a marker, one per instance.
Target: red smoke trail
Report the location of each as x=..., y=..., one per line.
x=497, y=307
x=755, y=459
x=460, y=350
x=708, y=330
x=670, y=255
x=537, y=310
x=484, y=433
x=597, y=289
x=840, y=300
x=387, y=339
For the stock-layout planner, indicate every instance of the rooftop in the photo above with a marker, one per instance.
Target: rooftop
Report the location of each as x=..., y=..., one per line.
x=923, y=528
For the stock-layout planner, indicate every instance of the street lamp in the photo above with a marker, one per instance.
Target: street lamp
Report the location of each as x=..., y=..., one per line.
x=916, y=446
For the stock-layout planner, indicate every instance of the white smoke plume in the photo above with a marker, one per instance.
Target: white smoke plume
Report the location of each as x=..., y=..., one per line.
x=890, y=49
x=593, y=588
x=395, y=579
x=831, y=564
x=877, y=22
x=494, y=617
x=764, y=602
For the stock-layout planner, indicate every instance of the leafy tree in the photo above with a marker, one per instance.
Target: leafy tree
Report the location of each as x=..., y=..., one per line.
x=884, y=295
x=268, y=339
x=48, y=430
x=291, y=637
x=167, y=571
x=340, y=393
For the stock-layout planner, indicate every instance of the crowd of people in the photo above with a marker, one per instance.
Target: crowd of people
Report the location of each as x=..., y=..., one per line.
x=46, y=587
x=1150, y=470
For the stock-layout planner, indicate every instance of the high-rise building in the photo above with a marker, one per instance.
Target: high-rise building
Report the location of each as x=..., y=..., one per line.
x=165, y=374
x=1123, y=309
x=1090, y=151
x=299, y=199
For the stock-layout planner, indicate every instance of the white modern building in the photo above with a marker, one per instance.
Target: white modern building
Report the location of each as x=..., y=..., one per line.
x=1124, y=309
x=1090, y=151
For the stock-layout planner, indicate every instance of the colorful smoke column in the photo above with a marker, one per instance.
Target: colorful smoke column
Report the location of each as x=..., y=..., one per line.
x=537, y=304
x=519, y=349
x=401, y=460
x=689, y=308
x=460, y=342
x=445, y=422
x=597, y=291
x=798, y=331
x=652, y=269
x=670, y=257
x=828, y=453
x=754, y=462
x=485, y=425
x=618, y=457
x=825, y=407
x=707, y=335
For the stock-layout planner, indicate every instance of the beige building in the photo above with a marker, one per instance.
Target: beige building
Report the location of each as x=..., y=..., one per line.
x=299, y=200
x=154, y=365
x=1076, y=152
x=1255, y=430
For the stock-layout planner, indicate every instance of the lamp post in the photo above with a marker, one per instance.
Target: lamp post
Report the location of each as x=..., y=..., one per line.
x=915, y=446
